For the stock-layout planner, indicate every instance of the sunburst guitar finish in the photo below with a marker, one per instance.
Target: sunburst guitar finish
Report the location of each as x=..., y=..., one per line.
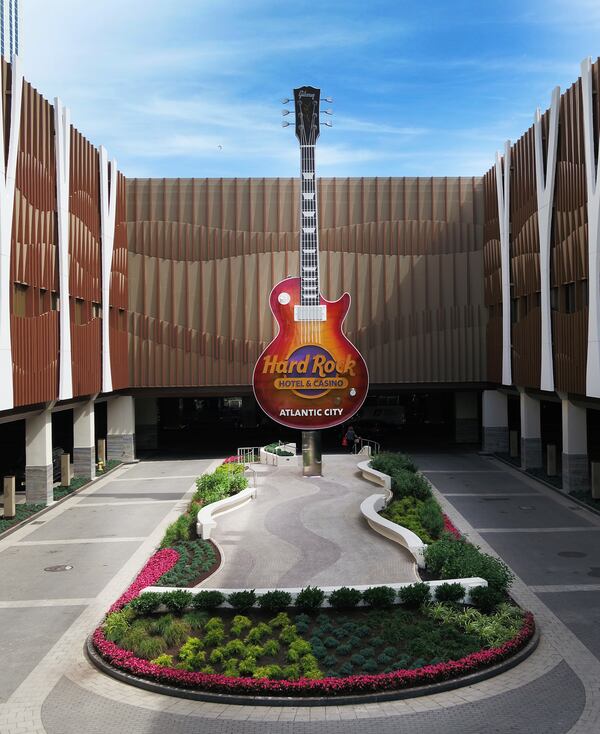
x=310, y=376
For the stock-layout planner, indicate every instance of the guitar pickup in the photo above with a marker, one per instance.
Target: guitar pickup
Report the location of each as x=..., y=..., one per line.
x=310, y=313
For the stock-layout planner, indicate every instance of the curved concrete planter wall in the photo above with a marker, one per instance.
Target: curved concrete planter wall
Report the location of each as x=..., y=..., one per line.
x=266, y=457
x=206, y=517
x=372, y=506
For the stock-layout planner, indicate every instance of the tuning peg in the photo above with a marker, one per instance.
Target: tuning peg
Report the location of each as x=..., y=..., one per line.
x=284, y=100
x=327, y=99
x=285, y=124
x=327, y=112
x=285, y=112
x=328, y=123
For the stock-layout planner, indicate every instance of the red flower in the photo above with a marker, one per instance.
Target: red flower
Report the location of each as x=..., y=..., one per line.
x=157, y=565
x=449, y=527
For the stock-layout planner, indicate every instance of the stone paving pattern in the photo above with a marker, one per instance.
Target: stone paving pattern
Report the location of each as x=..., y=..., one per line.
x=307, y=530
x=48, y=686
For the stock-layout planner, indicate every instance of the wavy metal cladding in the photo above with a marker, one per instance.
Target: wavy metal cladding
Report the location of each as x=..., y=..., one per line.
x=569, y=257
x=34, y=253
x=34, y=261
x=205, y=253
x=84, y=277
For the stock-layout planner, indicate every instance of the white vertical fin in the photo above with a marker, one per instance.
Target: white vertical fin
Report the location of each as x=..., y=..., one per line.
x=108, y=210
x=593, y=211
x=544, y=180
x=8, y=174
x=62, y=142
x=503, y=187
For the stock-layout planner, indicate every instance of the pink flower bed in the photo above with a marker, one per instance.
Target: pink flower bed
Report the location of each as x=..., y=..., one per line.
x=164, y=560
x=449, y=527
x=428, y=674
x=157, y=565
x=231, y=460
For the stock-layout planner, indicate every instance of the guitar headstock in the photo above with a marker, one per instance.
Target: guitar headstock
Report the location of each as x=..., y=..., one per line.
x=306, y=103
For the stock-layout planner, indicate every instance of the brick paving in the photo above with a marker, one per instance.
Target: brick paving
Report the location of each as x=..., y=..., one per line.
x=58, y=692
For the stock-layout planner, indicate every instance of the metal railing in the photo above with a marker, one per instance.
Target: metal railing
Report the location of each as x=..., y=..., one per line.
x=249, y=454
x=366, y=446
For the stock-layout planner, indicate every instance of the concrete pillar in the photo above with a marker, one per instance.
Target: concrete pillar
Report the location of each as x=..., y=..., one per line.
x=38, y=458
x=466, y=417
x=84, y=452
x=494, y=419
x=575, y=475
x=531, y=433
x=146, y=423
x=120, y=439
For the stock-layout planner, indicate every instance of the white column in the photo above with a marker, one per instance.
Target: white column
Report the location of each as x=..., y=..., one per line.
x=62, y=125
x=575, y=475
x=503, y=189
x=466, y=417
x=494, y=418
x=593, y=212
x=38, y=458
x=531, y=432
x=545, y=196
x=120, y=438
x=108, y=210
x=84, y=443
x=146, y=423
x=7, y=199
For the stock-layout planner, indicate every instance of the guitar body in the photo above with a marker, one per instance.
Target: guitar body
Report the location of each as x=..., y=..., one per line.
x=310, y=376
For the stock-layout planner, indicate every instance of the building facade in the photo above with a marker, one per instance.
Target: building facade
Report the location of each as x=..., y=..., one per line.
x=115, y=292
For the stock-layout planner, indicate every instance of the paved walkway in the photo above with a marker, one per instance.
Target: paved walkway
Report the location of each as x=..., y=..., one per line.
x=48, y=686
x=303, y=531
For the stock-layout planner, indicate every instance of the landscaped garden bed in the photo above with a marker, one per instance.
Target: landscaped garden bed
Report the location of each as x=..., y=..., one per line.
x=312, y=642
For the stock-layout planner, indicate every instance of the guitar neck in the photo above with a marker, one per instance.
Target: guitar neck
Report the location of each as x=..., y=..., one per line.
x=309, y=228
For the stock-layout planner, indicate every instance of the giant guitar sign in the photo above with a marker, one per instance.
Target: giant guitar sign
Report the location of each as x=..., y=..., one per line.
x=310, y=376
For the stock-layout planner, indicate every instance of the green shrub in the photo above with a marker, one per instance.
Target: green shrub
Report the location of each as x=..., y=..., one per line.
x=405, y=512
x=234, y=649
x=414, y=596
x=387, y=463
x=214, y=637
x=257, y=633
x=452, y=593
x=370, y=666
x=182, y=529
x=310, y=599
x=274, y=601
x=452, y=558
x=357, y=659
x=117, y=625
x=486, y=598
x=379, y=597
x=344, y=598
x=346, y=669
x=164, y=659
x=177, y=632
x=247, y=666
x=330, y=642
x=242, y=600
x=271, y=647
x=195, y=619
x=273, y=672
x=431, y=517
x=298, y=649
x=407, y=484
x=344, y=648
x=147, y=602
x=177, y=601
x=281, y=620
x=288, y=634
x=150, y=647
x=231, y=668
x=240, y=624
x=207, y=599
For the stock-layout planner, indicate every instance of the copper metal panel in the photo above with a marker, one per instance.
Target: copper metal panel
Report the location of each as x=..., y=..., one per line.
x=205, y=253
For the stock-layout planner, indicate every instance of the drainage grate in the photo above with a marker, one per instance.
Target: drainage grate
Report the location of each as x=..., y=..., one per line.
x=58, y=568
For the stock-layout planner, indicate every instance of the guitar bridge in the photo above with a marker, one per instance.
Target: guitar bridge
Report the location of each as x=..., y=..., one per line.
x=310, y=313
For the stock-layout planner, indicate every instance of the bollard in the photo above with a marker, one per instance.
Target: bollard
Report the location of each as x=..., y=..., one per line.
x=596, y=480
x=65, y=470
x=551, y=460
x=514, y=444
x=9, y=497
x=102, y=451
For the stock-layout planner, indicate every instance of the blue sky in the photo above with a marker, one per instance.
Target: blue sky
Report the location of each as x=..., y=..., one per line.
x=192, y=88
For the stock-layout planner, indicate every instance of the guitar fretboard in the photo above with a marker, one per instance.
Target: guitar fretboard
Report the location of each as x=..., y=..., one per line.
x=309, y=229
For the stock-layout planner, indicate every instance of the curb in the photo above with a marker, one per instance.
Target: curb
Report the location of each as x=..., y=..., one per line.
x=561, y=492
x=35, y=515
x=359, y=698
